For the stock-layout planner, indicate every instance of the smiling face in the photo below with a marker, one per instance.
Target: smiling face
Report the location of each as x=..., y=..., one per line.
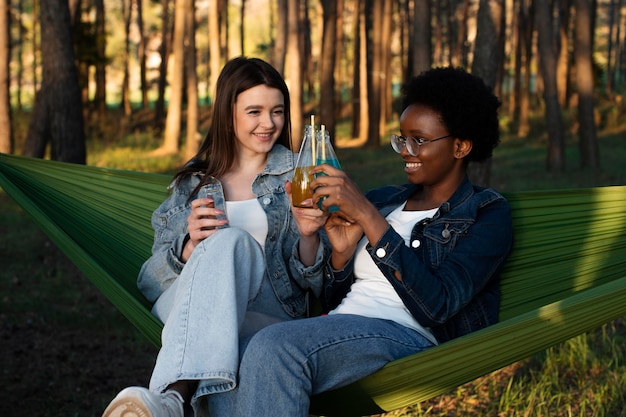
x=258, y=119
x=438, y=162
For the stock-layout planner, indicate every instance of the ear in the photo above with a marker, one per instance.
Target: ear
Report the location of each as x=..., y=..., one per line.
x=462, y=148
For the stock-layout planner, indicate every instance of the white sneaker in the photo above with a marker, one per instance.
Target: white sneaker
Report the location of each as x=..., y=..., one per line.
x=141, y=402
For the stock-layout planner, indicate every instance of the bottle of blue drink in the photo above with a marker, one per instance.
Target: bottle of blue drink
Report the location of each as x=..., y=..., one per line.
x=325, y=154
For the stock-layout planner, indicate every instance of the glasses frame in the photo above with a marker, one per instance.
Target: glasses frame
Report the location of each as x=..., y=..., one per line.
x=398, y=142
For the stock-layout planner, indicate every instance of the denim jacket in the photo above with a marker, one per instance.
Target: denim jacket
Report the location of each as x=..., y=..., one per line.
x=449, y=276
x=290, y=279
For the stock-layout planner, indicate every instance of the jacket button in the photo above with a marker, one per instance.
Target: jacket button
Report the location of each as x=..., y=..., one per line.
x=380, y=252
x=266, y=201
x=416, y=244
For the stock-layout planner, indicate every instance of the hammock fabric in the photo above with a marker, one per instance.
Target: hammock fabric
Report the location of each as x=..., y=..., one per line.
x=566, y=275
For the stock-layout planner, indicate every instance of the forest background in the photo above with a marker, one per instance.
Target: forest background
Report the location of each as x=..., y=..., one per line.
x=96, y=70
x=124, y=84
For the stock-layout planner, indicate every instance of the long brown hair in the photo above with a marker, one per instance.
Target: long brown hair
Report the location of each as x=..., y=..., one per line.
x=217, y=152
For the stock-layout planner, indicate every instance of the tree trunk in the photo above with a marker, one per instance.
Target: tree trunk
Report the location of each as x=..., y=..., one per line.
x=75, y=8
x=78, y=27
x=242, y=32
x=215, y=63
x=193, y=136
x=460, y=16
x=127, y=8
x=612, y=48
x=34, y=46
x=438, y=35
x=19, y=77
x=488, y=58
x=489, y=50
x=327, y=64
x=141, y=52
x=526, y=40
x=583, y=47
x=385, y=60
x=306, y=53
x=223, y=16
x=39, y=134
x=159, y=109
x=562, y=77
x=547, y=61
x=280, y=42
x=294, y=74
x=364, y=111
x=421, y=46
x=359, y=127
x=516, y=52
x=100, y=96
x=620, y=54
x=340, y=52
x=6, y=136
x=175, y=103
x=57, y=116
x=375, y=66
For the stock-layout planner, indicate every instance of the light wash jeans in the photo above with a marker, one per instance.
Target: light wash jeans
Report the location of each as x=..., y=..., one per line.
x=220, y=298
x=285, y=363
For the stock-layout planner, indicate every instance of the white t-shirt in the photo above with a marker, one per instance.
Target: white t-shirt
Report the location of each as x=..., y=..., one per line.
x=249, y=216
x=371, y=294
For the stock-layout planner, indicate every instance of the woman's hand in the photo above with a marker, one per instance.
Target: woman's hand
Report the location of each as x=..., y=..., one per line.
x=202, y=222
x=309, y=221
x=335, y=188
x=344, y=237
x=356, y=215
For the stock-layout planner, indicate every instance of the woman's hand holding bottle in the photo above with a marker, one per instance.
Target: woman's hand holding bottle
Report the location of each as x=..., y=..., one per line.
x=202, y=222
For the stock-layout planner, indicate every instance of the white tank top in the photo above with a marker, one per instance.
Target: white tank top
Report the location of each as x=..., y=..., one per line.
x=249, y=216
x=371, y=294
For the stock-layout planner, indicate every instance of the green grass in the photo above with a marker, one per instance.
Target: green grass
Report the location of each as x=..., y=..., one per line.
x=520, y=164
x=585, y=376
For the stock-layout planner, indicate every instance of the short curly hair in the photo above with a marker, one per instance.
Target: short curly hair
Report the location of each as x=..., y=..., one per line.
x=467, y=106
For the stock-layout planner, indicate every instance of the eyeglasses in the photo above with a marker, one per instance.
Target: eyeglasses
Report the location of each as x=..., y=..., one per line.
x=412, y=144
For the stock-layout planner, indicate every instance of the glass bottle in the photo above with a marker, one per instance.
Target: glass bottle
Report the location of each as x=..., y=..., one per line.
x=325, y=154
x=301, y=193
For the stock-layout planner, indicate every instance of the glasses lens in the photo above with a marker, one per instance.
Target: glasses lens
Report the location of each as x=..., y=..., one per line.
x=397, y=143
x=412, y=146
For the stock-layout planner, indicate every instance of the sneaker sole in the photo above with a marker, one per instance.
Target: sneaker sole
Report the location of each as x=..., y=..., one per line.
x=126, y=407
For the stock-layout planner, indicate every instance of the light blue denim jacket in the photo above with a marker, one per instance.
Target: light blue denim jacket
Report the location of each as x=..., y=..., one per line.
x=290, y=279
x=450, y=273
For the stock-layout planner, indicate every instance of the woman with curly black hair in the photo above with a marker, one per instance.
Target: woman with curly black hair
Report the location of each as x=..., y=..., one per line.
x=465, y=106
x=412, y=266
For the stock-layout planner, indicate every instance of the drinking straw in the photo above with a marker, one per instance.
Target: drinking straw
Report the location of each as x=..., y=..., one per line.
x=323, y=137
x=313, y=138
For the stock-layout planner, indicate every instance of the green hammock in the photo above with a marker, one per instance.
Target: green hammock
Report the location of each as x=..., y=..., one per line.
x=566, y=275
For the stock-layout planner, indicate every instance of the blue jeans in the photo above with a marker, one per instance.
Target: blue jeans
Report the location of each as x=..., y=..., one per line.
x=221, y=297
x=286, y=363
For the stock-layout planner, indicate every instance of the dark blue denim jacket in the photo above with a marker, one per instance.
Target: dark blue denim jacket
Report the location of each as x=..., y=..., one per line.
x=290, y=279
x=449, y=275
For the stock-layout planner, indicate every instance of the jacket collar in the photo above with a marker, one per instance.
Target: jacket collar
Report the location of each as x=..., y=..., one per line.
x=460, y=196
x=280, y=160
x=398, y=194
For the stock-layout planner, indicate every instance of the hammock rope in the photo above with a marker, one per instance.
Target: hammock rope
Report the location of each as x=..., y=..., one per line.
x=566, y=275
